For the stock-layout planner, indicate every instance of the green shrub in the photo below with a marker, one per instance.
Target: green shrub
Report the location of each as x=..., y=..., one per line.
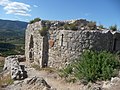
x=93, y=66
x=43, y=31
x=113, y=28
x=66, y=27
x=65, y=72
x=101, y=26
x=92, y=25
x=35, y=20
x=32, y=21
x=71, y=26
x=96, y=66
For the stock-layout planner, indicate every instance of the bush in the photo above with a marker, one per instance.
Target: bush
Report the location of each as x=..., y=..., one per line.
x=35, y=20
x=66, y=27
x=92, y=25
x=113, y=28
x=71, y=26
x=65, y=72
x=101, y=27
x=94, y=66
x=43, y=31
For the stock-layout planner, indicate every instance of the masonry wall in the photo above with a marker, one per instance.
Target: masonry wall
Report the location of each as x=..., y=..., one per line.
x=59, y=47
x=68, y=45
x=36, y=50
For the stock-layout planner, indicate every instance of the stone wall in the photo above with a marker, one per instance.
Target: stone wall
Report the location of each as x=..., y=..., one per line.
x=68, y=44
x=59, y=47
x=34, y=53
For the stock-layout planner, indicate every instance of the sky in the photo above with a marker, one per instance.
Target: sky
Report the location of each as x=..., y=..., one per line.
x=105, y=12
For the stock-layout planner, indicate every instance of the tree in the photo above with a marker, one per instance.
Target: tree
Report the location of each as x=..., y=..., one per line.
x=113, y=27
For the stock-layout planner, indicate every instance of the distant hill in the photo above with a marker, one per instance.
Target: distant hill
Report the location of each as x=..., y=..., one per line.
x=12, y=25
x=12, y=33
x=11, y=29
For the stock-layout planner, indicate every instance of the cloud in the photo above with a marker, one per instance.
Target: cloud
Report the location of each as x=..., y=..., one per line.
x=35, y=6
x=15, y=8
x=4, y=2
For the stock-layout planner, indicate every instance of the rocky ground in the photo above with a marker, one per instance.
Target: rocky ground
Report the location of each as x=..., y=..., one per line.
x=52, y=79
x=1, y=62
x=47, y=80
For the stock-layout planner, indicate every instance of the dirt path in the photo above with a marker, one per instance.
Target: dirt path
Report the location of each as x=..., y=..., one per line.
x=53, y=81
x=56, y=82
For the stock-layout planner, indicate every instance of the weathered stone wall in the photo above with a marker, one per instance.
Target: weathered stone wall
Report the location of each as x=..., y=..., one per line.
x=34, y=53
x=59, y=47
x=68, y=44
x=116, y=41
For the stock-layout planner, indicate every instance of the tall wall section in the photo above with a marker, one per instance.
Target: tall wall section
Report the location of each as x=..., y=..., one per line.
x=59, y=47
x=33, y=43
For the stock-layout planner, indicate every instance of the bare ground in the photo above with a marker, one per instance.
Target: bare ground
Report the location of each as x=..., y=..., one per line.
x=55, y=81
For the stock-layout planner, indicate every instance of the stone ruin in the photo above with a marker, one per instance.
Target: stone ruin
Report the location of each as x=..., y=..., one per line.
x=57, y=43
x=12, y=65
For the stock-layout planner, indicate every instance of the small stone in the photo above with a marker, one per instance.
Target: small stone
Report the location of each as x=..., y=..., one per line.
x=46, y=88
x=115, y=80
x=106, y=85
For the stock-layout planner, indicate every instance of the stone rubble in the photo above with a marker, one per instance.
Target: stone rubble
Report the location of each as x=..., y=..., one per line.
x=113, y=84
x=31, y=83
x=12, y=65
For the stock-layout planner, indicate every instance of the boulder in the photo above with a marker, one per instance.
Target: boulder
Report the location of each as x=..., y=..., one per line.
x=12, y=65
x=36, y=81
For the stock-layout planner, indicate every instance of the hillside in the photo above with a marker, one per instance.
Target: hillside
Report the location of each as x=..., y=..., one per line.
x=12, y=25
x=12, y=33
x=11, y=29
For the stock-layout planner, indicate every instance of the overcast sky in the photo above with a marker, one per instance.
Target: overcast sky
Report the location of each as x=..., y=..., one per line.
x=106, y=12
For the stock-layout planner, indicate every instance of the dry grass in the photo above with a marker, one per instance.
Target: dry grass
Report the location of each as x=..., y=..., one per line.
x=5, y=80
x=48, y=69
x=1, y=63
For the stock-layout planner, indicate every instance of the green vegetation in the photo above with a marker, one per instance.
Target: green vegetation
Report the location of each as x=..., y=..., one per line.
x=43, y=31
x=11, y=42
x=5, y=80
x=92, y=25
x=101, y=26
x=7, y=49
x=65, y=72
x=113, y=28
x=35, y=20
x=71, y=26
x=8, y=26
x=1, y=65
x=37, y=67
x=66, y=27
x=92, y=66
x=12, y=37
x=79, y=24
